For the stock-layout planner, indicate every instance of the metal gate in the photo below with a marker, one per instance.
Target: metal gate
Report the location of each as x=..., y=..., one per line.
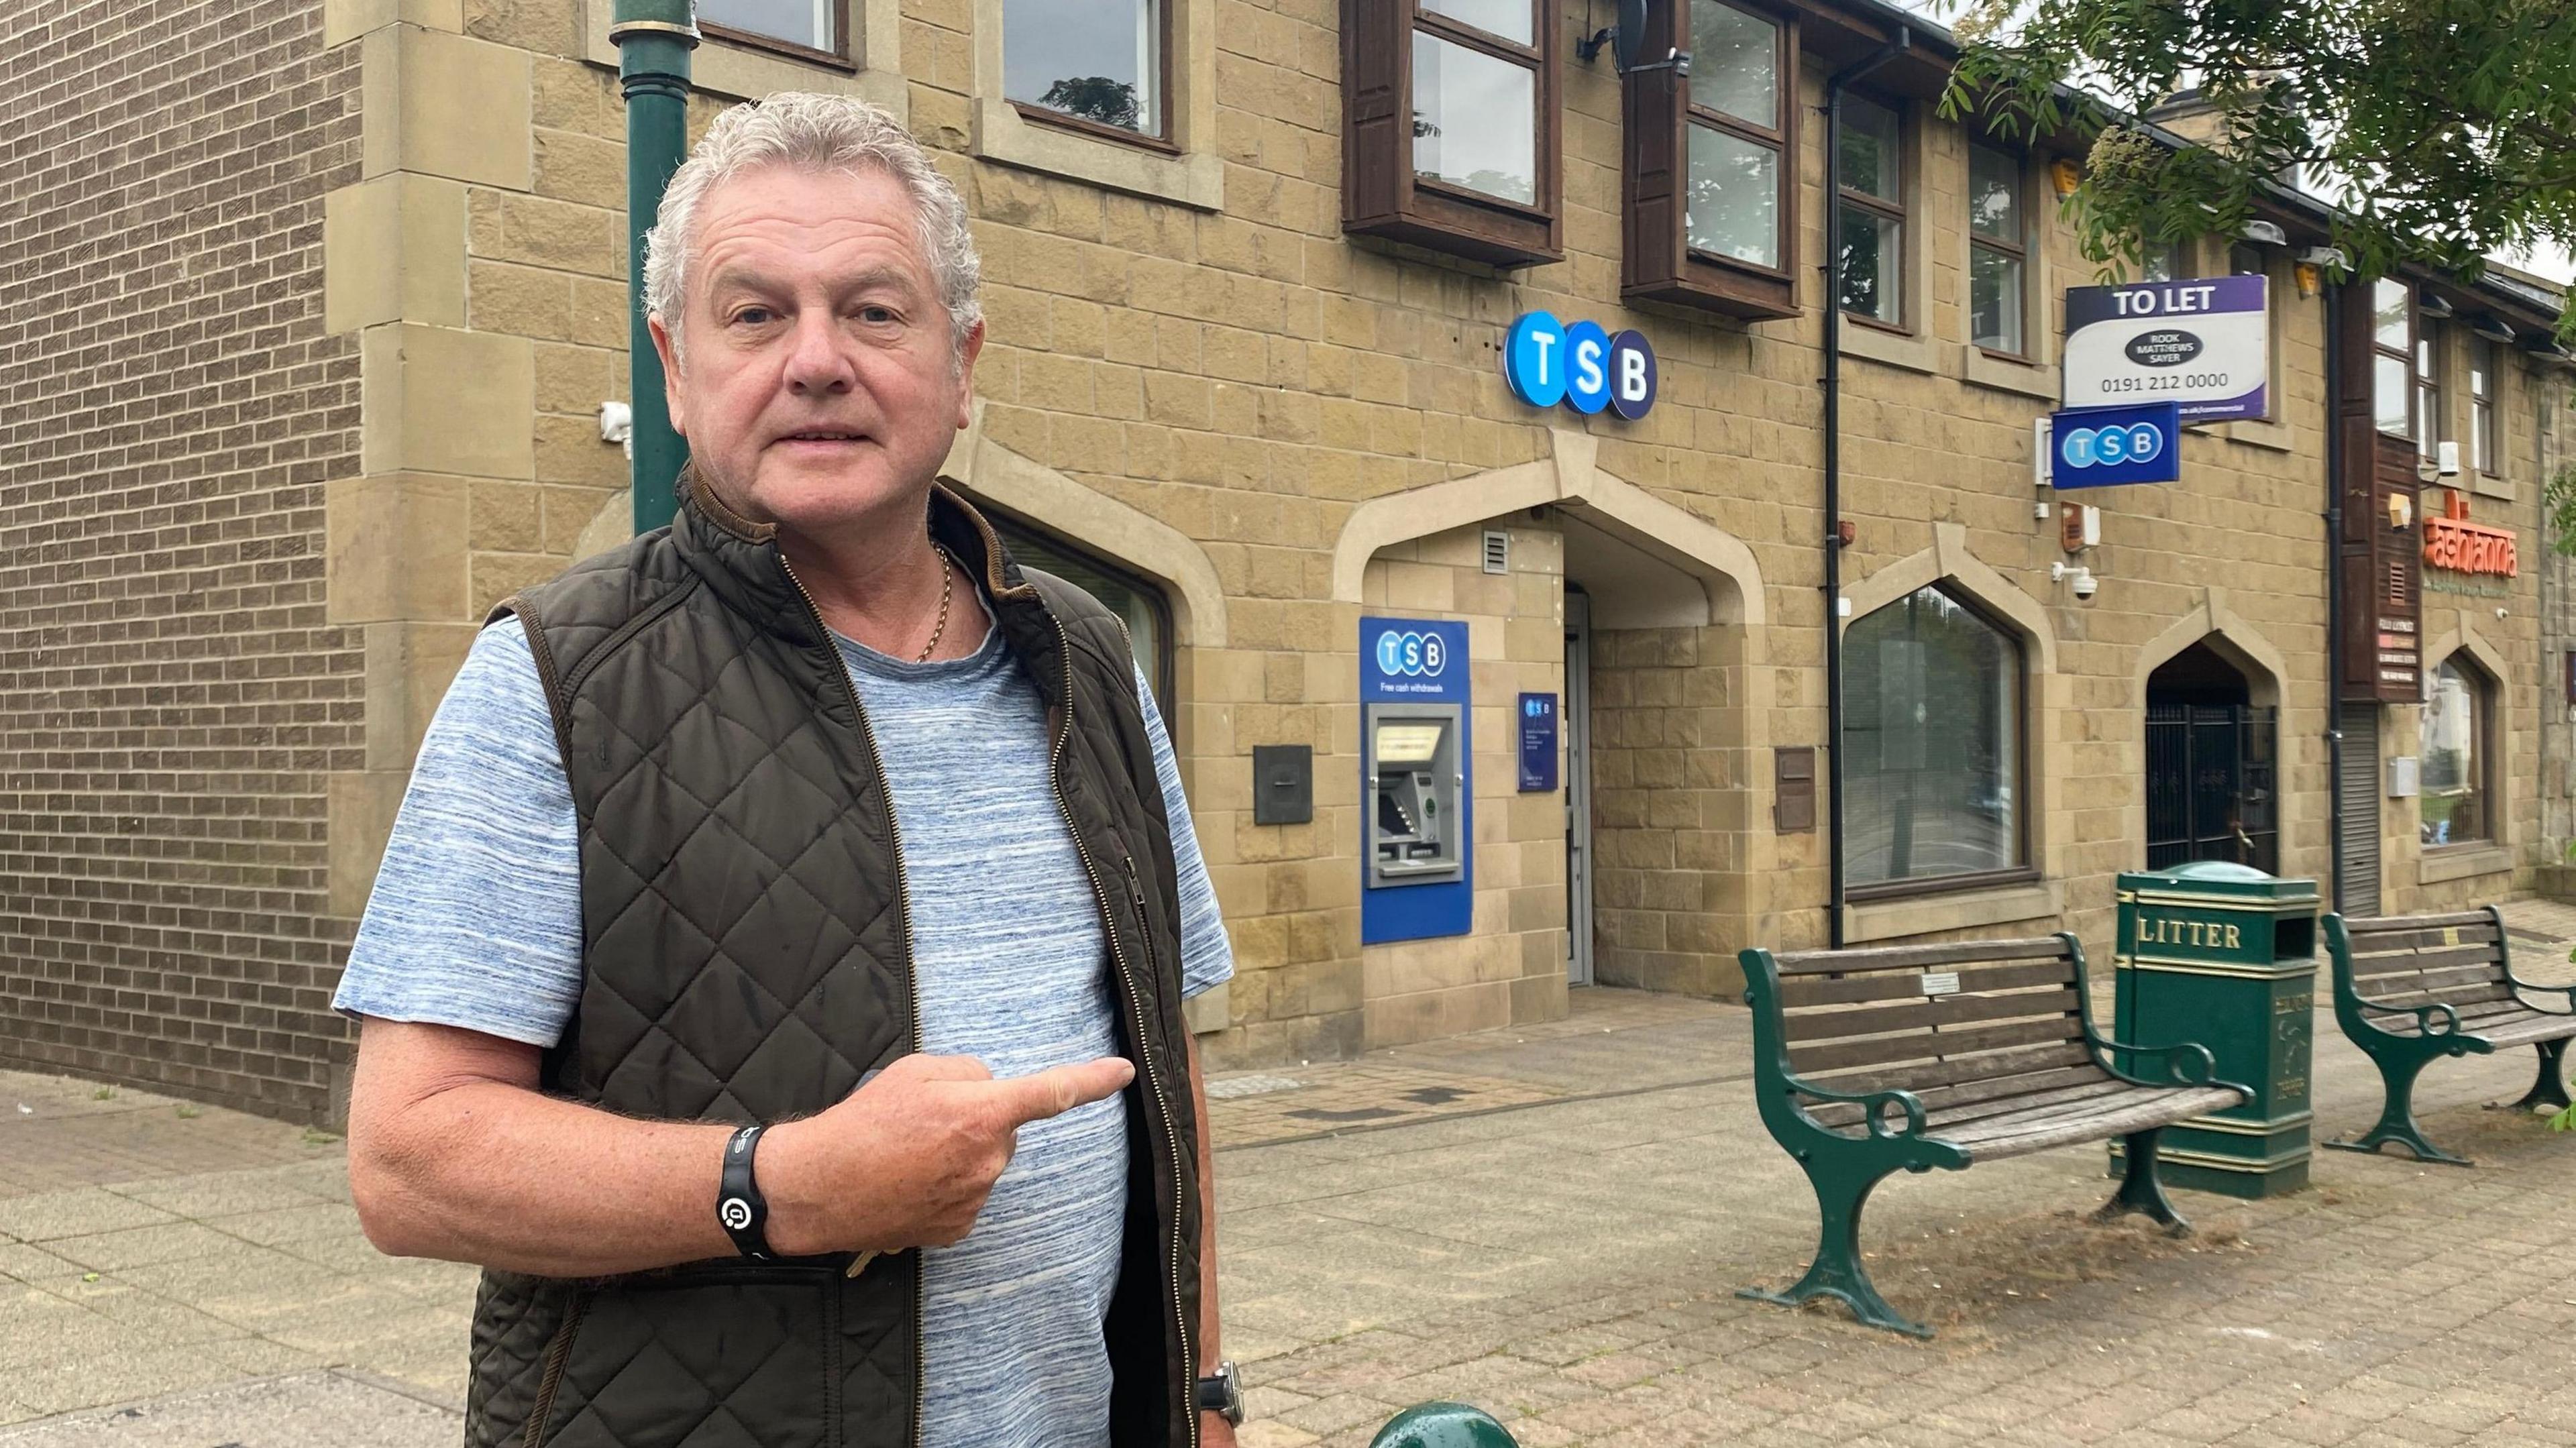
x=2357, y=846
x=2212, y=785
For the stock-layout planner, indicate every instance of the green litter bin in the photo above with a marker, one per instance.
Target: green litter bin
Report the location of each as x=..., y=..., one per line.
x=1442, y=1425
x=2225, y=955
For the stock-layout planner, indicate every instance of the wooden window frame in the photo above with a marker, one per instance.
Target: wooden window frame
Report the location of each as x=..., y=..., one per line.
x=2485, y=440
x=845, y=18
x=2019, y=251
x=2024, y=872
x=1660, y=265
x=1382, y=196
x=1161, y=141
x=1896, y=211
x=2432, y=415
x=2379, y=349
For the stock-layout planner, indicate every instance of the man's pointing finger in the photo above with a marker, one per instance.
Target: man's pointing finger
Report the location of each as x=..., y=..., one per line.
x=1059, y=1089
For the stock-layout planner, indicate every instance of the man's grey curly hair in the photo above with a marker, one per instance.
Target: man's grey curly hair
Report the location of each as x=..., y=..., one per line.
x=814, y=133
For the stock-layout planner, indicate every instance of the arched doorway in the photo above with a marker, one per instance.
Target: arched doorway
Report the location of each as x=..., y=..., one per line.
x=2213, y=776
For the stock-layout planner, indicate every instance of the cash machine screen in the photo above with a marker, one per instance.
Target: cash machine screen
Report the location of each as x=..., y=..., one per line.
x=1404, y=742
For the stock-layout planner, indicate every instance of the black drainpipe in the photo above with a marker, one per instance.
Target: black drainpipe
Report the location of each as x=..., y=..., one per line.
x=1833, y=382
x=2334, y=590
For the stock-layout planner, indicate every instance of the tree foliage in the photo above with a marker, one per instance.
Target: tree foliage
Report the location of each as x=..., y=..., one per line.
x=2444, y=129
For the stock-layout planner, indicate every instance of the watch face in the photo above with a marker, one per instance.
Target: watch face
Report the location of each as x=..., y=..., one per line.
x=735, y=1213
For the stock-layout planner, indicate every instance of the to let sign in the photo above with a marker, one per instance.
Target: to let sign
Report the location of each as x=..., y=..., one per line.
x=2205, y=345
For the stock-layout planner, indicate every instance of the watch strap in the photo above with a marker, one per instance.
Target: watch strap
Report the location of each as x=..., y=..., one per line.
x=740, y=1208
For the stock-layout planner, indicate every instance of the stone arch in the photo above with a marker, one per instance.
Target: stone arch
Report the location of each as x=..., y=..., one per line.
x=2463, y=637
x=1568, y=477
x=987, y=471
x=2267, y=673
x=1698, y=591
x=1949, y=561
x=2230, y=637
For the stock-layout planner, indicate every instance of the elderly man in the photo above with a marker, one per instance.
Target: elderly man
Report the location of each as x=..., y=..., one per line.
x=774, y=979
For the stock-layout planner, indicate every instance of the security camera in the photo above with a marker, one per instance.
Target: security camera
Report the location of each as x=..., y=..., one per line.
x=2085, y=583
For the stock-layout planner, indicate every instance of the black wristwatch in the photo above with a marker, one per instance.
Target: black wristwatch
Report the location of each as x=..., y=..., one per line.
x=740, y=1208
x=1222, y=1394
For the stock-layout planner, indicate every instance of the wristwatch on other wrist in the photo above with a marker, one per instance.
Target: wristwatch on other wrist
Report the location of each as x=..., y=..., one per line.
x=1223, y=1394
x=740, y=1208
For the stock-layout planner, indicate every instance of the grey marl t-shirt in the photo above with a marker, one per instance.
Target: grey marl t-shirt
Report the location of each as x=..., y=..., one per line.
x=476, y=922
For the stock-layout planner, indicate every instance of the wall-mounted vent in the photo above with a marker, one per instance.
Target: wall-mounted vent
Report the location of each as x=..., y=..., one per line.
x=1498, y=551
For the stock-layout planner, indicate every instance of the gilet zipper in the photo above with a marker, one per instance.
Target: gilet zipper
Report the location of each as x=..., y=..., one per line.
x=1135, y=1007
x=912, y=993
x=558, y=1352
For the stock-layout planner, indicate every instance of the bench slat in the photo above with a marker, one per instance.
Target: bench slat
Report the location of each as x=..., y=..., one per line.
x=2401, y=940
x=1946, y=1044
x=2375, y=924
x=1916, y=957
x=2469, y=957
x=2135, y=1110
x=1932, y=1075
x=1804, y=992
x=2513, y=1027
x=1942, y=1101
x=2036, y=1104
x=1925, y=1012
x=2455, y=996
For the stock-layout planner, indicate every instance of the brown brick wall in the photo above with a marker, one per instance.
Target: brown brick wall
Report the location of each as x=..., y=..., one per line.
x=169, y=693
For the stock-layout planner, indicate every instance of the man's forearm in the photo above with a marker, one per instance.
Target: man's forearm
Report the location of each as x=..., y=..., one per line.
x=503, y=1176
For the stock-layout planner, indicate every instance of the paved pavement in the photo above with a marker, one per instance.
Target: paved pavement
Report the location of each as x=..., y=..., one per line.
x=1549, y=1222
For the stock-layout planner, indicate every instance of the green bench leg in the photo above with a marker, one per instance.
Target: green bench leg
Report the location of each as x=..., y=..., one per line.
x=2549, y=1093
x=1836, y=1271
x=2141, y=1189
x=2397, y=1114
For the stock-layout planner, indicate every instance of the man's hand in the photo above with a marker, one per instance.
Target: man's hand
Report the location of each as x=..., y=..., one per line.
x=907, y=1159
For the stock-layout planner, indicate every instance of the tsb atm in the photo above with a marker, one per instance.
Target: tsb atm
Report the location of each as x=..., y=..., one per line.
x=1415, y=756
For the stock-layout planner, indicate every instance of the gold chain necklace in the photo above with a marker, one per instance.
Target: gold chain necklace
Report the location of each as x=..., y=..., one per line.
x=947, y=582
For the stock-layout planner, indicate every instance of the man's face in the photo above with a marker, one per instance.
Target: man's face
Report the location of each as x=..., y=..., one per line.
x=817, y=383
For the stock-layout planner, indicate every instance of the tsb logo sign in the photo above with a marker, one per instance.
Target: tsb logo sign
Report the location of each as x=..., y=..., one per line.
x=1546, y=362
x=1411, y=655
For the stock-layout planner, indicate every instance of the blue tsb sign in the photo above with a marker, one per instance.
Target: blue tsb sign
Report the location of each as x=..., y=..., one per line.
x=1546, y=362
x=2098, y=447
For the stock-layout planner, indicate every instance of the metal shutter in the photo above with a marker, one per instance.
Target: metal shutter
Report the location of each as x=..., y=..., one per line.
x=2357, y=848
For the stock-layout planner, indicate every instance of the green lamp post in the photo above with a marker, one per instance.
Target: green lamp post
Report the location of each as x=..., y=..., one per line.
x=654, y=38
x=1442, y=1425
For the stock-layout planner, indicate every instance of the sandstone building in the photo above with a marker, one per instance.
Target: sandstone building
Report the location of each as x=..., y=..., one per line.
x=316, y=306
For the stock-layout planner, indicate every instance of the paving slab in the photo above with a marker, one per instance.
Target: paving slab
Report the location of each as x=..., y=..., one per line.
x=1551, y=1221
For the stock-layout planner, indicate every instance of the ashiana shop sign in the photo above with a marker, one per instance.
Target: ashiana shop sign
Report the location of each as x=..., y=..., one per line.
x=2453, y=543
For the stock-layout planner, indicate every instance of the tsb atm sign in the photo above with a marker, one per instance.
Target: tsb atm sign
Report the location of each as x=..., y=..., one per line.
x=1546, y=362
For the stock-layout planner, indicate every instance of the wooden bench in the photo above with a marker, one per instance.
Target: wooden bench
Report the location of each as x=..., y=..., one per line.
x=2411, y=989
x=1917, y=1056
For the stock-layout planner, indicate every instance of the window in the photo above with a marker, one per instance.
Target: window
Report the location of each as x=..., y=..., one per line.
x=2455, y=798
x=1873, y=212
x=1139, y=603
x=2431, y=424
x=1450, y=137
x=1098, y=63
x=1931, y=742
x=2484, y=456
x=2244, y=259
x=2392, y=340
x=799, y=24
x=1998, y=253
x=1736, y=134
x=2161, y=261
x=1711, y=164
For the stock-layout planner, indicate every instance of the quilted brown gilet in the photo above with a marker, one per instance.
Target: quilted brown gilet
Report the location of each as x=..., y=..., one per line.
x=747, y=959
